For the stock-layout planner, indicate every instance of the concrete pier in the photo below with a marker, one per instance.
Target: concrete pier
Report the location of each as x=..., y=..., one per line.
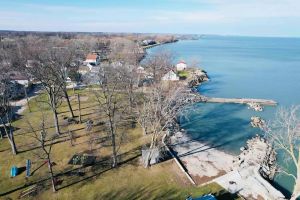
x=264, y=102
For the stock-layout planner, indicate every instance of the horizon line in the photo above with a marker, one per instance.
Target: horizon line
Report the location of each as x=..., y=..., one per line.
x=162, y=33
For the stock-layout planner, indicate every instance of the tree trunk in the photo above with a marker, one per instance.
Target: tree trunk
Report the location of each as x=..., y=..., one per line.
x=296, y=192
x=132, y=117
x=26, y=95
x=51, y=175
x=56, y=121
x=10, y=137
x=113, y=141
x=11, y=140
x=149, y=155
x=71, y=137
x=114, y=150
x=144, y=130
x=68, y=101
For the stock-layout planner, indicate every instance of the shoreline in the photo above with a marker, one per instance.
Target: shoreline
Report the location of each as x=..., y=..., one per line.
x=203, y=162
x=159, y=44
x=206, y=164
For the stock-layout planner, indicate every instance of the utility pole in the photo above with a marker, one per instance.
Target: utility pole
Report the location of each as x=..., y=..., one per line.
x=79, y=107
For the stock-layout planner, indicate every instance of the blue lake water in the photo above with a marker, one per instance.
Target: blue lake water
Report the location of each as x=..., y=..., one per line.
x=240, y=67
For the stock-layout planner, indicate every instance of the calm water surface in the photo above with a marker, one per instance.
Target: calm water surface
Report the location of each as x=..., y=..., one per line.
x=240, y=67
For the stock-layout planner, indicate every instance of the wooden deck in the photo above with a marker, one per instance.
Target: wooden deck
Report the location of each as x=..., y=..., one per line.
x=264, y=102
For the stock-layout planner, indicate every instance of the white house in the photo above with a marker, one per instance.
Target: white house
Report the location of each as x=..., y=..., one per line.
x=92, y=59
x=84, y=69
x=170, y=76
x=19, y=78
x=140, y=70
x=181, y=66
x=68, y=80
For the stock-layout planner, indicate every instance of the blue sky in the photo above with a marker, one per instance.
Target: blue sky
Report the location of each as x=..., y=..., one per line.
x=225, y=17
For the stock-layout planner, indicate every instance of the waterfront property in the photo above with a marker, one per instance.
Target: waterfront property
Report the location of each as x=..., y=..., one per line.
x=181, y=66
x=170, y=76
x=164, y=180
x=247, y=67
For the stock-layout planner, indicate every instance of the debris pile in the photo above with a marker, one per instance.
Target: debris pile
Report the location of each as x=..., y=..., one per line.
x=258, y=122
x=255, y=106
x=258, y=152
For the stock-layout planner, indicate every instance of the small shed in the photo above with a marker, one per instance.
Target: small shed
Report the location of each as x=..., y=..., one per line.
x=140, y=70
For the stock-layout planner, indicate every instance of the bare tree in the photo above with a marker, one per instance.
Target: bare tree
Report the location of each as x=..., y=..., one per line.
x=65, y=61
x=46, y=142
x=158, y=112
x=6, y=113
x=159, y=63
x=284, y=132
x=130, y=57
x=111, y=103
x=47, y=71
x=129, y=81
x=123, y=50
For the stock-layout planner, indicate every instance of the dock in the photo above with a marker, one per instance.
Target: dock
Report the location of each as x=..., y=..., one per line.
x=264, y=102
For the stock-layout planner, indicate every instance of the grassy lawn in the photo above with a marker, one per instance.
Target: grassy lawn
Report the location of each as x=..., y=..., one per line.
x=128, y=181
x=183, y=74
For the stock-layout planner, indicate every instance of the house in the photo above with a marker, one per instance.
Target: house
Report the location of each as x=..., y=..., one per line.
x=19, y=78
x=19, y=83
x=140, y=70
x=16, y=90
x=92, y=59
x=148, y=42
x=170, y=76
x=22, y=78
x=181, y=66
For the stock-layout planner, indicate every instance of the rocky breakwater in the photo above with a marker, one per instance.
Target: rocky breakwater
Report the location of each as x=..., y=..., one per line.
x=251, y=168
x=258, y=122
x=258, y=152
x=197, y=77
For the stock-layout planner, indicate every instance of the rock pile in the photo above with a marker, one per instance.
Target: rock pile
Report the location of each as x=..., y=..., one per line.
x=255, y=106
x=199, y=76
x=258, y=122
x=258, y=152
